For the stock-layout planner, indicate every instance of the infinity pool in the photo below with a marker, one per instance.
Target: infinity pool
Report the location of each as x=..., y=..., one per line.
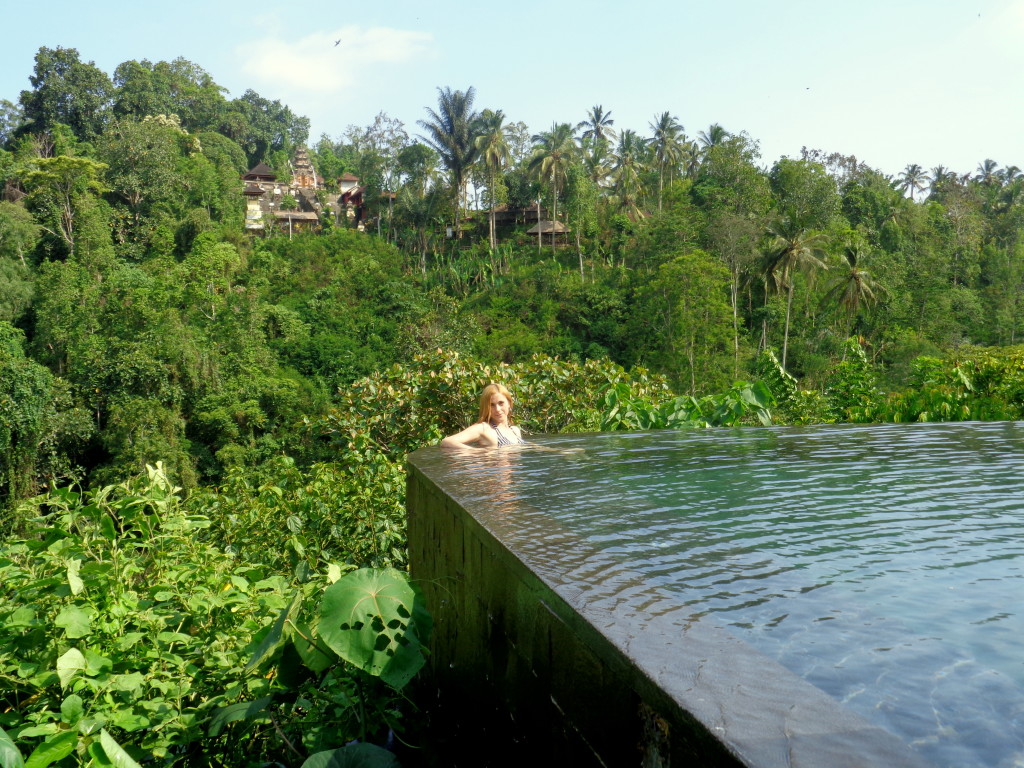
x=883, y=564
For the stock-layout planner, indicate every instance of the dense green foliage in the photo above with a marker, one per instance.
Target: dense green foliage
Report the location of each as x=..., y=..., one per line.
x=167, y=334
x=281, y=380
x=124, y=613
x=171, y=626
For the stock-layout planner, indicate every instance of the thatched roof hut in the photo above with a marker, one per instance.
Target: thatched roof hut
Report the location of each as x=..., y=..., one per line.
x=548, y=228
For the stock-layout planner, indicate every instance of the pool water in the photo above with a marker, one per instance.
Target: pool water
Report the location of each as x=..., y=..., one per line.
x=884, y=564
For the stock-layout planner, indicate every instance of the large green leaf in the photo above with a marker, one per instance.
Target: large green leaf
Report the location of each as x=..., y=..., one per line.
x=115, y=752
x=52, y=750
x=375, y=619
x=96, y=664
x=353, y=756
x=245, y=710
x=10, y=757
x=46, y=729
x=74, y=580
x=77, y=622
x=68, y=665
x=71, y=709
x=273, y=639
x=314, y=655
x=21, y=617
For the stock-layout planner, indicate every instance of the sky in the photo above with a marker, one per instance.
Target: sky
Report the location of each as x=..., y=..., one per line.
x=893, y=82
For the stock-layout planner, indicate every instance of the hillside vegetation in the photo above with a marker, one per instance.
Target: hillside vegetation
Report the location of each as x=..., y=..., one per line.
x=203, y=430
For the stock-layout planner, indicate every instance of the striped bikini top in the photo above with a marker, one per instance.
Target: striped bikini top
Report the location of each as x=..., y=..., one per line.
x=503, y=440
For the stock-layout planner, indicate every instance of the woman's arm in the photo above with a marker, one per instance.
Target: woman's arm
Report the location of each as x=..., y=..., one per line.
x=468, y=436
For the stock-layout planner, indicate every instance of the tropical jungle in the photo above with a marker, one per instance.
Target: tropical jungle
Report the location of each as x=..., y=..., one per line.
x=203, y=424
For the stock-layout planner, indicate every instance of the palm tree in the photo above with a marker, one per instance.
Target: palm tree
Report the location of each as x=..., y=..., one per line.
x=1012, y=190
x=690, y=155
x=913, y=178
x=629, y=164
x=713, y=136
x=940, y=174
x=1009, y=174
x=596, y=160
x=551, y=157
x=988, y=172
x=598, y=124
x=450, y=134
x=793, y=247
x=492, y=144
x=667, y=146
x=855, y=287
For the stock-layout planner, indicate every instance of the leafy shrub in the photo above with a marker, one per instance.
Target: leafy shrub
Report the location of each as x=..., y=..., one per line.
x=851, y=388
x=743, y=403
x=987, y=385
x=335, y=512
x=396, y=411
x=121, y=624
x=793, y=405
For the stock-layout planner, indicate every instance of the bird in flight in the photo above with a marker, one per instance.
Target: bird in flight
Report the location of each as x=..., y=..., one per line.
x=336, y=43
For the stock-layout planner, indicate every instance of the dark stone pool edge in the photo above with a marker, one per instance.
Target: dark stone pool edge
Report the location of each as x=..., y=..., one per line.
x=531, y=664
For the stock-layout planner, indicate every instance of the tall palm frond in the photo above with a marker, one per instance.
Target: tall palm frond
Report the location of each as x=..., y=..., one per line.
x=551, y=158
x=450, y=132
x=854, y=287
x=914, y=179
x=668, y=149
x=597, y=161
x=792, y=247
x=493, y=148
x=691, y=156
x=988, y=172
x=629, y=165
x=1008, y=174
x=598, y=125
x=713, y=136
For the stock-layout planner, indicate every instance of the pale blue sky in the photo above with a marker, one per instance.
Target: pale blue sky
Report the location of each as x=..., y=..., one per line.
x=890, y=81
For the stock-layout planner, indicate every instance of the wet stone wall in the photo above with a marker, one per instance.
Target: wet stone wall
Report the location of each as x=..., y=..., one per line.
x=530, y=665
x=516, y=675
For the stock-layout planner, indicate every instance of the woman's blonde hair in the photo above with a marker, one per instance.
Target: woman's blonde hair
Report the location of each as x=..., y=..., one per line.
x=485, y=401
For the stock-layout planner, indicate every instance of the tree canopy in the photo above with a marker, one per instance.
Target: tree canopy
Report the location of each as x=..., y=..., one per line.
x=171, y=334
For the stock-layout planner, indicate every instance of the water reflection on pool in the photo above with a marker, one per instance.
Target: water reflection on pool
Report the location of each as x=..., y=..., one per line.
x=884, y=564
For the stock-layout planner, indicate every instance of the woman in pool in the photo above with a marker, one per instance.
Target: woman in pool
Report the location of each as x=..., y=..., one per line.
x=494, y=428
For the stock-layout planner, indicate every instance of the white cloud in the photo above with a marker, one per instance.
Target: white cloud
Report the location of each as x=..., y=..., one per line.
x=315, y=64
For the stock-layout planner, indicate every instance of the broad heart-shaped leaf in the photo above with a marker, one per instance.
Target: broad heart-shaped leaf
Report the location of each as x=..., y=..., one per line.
x=77, y=622
x=10, y=757
x=108, y=527
x=375, y=619
x=99, y=757
x=70, y=664
x=353, y=756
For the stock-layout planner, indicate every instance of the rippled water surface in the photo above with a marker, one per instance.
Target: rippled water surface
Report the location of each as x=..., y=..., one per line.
x=884, y=564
